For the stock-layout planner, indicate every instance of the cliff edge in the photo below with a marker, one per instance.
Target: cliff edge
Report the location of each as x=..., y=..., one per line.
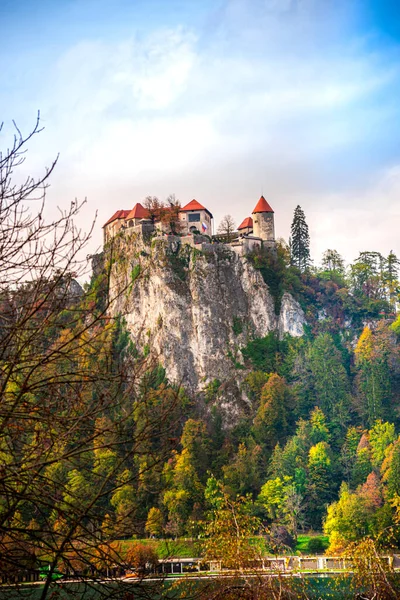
x=193, y=308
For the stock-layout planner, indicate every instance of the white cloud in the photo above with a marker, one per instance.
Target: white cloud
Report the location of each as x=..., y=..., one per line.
x=269, y=98
x=366, y=219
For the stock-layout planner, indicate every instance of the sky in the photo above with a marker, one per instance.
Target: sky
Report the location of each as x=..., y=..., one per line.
x=218, y=100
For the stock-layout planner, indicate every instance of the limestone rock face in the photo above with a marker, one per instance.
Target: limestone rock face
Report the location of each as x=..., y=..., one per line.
x=195, y=308
x=291, y=317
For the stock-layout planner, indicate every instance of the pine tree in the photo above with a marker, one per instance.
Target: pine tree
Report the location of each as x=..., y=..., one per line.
x=300, y=240
x=391, y=280
x=330, y=380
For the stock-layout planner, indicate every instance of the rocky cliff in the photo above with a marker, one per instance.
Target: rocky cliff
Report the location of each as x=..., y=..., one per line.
x=194, y=308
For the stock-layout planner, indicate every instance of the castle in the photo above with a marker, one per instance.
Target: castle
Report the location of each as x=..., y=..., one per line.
x=196, y=226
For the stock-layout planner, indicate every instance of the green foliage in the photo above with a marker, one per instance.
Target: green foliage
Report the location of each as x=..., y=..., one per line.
x=243, y=475
x=135, y=273
x=277, y=272
x=211, y=390
x=179, y=261
x=347, y=519
x=274, y=418
x=300, y=240
x=373, y=377
x=381, y=436
x=396, y=326
x=317, y=545
x=316, y=419
x=320, y=482
x=267, y=354
x=331, y=385
x=333, y=263
x=237, y=326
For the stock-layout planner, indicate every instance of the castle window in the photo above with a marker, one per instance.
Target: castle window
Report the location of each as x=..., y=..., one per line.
x=194, y=217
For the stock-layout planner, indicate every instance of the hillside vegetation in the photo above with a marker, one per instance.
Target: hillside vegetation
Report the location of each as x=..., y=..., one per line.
x=318, y=445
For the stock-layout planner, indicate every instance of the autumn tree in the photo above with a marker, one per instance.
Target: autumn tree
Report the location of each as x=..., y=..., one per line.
x=164, y=212
x=154, y=523
x=320, y=488
x=228, y=533
x=226, y=227
x=347, y=520
x=142, y=558
x=366, y=275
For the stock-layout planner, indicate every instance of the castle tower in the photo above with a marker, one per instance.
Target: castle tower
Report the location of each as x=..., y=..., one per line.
x=263, y=221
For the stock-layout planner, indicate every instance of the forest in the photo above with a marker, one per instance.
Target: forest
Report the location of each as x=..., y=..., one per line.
x=317, y=449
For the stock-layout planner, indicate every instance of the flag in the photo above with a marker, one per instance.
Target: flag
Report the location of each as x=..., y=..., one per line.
x=204, y=226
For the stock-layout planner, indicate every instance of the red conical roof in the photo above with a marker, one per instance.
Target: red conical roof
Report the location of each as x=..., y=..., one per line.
x=138, y=212
x=247, y=223
x=262, y=206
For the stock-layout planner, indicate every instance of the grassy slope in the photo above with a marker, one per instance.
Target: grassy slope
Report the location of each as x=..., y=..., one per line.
x=302, y=542
x=192, y=549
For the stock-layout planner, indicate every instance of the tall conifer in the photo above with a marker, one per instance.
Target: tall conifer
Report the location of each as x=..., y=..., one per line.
x=300, y=240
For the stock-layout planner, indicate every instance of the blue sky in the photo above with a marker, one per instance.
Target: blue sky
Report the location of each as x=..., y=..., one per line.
x=218, y=101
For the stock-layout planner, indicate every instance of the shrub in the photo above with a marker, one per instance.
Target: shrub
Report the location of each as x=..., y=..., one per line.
x=316, y=545
x=237, y=325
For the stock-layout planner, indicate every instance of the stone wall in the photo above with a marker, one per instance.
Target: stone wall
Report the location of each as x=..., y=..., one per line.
x=263, y=226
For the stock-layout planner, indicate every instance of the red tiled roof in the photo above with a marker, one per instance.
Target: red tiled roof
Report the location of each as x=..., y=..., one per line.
x=194, y=205
x=138, y=212
x=248, y=222
x=262, y=206
x=120, y=214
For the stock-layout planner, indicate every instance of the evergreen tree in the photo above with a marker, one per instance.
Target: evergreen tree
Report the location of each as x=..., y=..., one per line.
x=273, y=419
x=300, y=240
x=242, y=475
x=391, y=280
x=373, y=377
x=331, y=385
x=320, y=482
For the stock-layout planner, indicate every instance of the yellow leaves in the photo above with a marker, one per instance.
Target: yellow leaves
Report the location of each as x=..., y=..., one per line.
x=319, y=454
x=228, y=535
x=396, y=326
x=364, y=348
